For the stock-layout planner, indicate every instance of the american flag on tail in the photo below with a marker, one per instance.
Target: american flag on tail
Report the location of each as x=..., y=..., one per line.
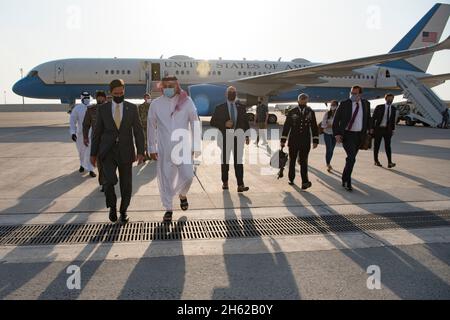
x=429, y=37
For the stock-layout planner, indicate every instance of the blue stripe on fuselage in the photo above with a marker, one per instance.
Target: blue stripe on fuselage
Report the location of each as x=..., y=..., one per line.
x=34, y=87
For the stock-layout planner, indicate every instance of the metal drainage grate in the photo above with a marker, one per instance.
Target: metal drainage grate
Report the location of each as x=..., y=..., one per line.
x=27, y=235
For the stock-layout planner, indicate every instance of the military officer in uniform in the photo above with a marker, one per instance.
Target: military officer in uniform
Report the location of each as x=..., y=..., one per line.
x=143, y=115
x=300, y=123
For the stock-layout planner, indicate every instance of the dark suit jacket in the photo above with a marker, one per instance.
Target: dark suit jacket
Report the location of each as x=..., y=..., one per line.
x=378, y=115
x=221, y=116
x=298, y=127
x=106, y=134
x=344, y=114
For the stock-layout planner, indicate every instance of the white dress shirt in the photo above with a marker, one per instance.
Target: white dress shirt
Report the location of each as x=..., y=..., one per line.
x=358, y=124
x=383, y=123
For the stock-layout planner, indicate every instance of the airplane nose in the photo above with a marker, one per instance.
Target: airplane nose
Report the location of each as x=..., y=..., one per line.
x=19, y=87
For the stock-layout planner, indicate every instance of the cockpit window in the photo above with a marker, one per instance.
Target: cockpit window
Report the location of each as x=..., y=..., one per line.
x=33, y=73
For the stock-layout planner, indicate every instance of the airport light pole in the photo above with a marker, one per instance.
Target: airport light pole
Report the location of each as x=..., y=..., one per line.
x=21, y=77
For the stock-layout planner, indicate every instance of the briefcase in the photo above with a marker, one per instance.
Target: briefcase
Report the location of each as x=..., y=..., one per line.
x=366, y=142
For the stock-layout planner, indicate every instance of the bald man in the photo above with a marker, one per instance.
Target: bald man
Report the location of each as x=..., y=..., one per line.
x=232, y=121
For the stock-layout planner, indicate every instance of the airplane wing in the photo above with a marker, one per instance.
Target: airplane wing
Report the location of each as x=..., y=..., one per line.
x=283, y=80
x=435, y=80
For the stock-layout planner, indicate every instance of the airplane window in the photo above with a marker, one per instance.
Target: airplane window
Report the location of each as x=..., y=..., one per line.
x=239, y=73
x=112, y=71
x=187, y=72
x=219, y=73
x=244, y=73
x=254, y=73
x=106, y=72
x=214, y=73
x=177, y=72
x=123, y=71
x=182, y=72
x=259, y=73
x=129, y=72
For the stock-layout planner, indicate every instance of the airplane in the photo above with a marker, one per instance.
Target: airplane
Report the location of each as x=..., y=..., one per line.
x=275, y=81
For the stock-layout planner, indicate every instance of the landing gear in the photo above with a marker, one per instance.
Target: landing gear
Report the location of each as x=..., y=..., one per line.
x=410, y=122
x=273, y=119
x=71, y=104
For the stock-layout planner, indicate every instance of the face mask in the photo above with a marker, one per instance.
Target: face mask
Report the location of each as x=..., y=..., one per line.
x=169, y=92
x=354, y=97
x=85, y=102
x=231, y=96
x=119, y=99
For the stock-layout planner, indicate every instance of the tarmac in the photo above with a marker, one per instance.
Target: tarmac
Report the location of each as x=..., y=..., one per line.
x=40, y=184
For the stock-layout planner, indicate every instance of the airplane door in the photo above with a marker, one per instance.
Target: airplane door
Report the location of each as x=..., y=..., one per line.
x=59, y=73
x=145, y=75
x=385, y=79
x=156, y=72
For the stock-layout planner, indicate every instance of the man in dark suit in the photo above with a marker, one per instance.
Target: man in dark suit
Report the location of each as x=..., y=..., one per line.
x=300, y=123
x=351, y=123
x=232, y=121
x=383, y=124
x=112, y=144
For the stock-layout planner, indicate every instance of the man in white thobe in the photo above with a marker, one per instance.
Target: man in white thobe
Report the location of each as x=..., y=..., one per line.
x=76, y=131
x=173, y=131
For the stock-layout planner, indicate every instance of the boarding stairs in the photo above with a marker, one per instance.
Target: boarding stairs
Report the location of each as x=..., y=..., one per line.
x=429, y=107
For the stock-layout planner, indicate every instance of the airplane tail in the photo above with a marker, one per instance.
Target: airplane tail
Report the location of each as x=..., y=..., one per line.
x=426, y=32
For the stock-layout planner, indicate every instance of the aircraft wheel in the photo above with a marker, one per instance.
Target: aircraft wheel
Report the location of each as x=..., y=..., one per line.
x=410, y=122
x=272, y=119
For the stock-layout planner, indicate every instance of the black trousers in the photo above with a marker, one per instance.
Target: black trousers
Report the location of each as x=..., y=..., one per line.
x=110, y=165
x=100, y=173
x=352, y=142
x=238, y=151
x=382, y=133
x=301, y=152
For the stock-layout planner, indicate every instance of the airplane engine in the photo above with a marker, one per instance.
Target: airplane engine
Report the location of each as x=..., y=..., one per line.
x=206, y=97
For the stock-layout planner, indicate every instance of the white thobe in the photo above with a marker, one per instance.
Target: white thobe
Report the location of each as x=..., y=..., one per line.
x=173, y=136
x=76, y=127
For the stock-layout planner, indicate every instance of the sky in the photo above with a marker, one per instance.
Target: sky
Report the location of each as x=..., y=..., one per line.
x=34, y=32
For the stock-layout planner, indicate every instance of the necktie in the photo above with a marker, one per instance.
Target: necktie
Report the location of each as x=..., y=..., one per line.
x=352, y=121
x=117, y=118
x=388, y=116
x=233, y=114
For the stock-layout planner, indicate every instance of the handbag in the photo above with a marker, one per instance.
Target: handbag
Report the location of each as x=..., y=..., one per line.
x=321, y=130
x=366, y=142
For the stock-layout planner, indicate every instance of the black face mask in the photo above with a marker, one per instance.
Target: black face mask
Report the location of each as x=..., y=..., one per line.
x=119, y=99
x=232, y=96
